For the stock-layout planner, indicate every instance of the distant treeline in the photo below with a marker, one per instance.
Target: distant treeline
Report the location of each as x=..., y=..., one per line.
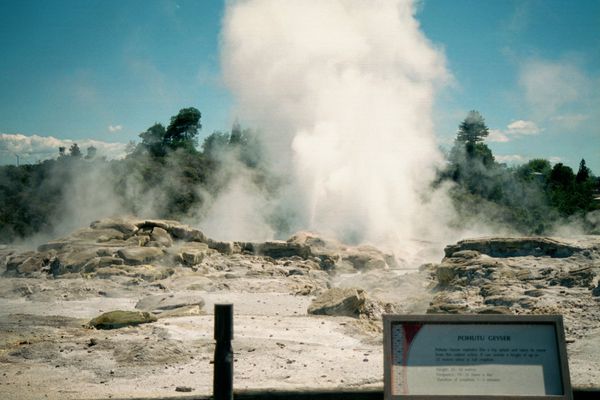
x=168, y=175
x=533, y=198
x=164, y=176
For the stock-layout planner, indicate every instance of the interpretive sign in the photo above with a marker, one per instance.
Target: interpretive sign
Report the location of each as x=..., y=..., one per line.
x=479, y=356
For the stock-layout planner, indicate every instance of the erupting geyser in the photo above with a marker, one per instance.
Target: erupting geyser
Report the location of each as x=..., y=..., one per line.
x=342, y=92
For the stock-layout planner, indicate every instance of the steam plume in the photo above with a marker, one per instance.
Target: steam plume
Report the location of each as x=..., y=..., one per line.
x=342, y=91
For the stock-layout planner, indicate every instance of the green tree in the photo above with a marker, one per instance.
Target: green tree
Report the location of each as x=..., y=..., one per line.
x=74, y=151
x=470, y=158
x=153, y=140
x=562, y=190
x=583, y=174
x=472, y=129
x=183, y=130
x=540, y=165
x=215, y=145
x=562, y=176
x=538, y=169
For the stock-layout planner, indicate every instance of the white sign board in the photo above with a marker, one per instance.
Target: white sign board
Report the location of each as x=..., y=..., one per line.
x=474, y=356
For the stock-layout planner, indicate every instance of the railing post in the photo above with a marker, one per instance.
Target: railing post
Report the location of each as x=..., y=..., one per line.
x=223, y=372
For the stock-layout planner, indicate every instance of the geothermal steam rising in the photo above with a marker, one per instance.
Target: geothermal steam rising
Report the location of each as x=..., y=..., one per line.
x=342, y=91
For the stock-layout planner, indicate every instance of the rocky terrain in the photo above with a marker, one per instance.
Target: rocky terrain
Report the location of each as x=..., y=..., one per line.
x=528, y=276
x=123, y=308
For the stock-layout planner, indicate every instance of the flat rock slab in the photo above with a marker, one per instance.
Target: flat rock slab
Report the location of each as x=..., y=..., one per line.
x=516, y=247
x=164, y=302
x=140, y=255
x=119, y=319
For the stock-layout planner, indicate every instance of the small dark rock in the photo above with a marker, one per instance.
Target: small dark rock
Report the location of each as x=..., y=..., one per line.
x=183, y=389
x=495, y=310
x=534, y=292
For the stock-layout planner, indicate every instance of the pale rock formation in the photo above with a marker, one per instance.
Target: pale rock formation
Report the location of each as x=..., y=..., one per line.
x=521, y=276
x=347, y=302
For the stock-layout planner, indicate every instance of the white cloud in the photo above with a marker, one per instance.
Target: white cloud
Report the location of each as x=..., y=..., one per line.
x=115, y=128
x=555, y=159
x=514, y=130
x=521, y=127
x=569, y=121
x=550, y=85
x=497, y=135
x=33, y=148
x=520, y=159
x=510, y=158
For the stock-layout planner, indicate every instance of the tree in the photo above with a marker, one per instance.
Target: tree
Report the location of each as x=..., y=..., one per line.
x=583, y=174
x=537, y=168
x=61, y=151
x=540, y=165
x=470, y=157
x=183, y=129
x=236, y=137
x=74, y=151
x=91, y=153
x=473, y=129
x=562, y=176
x=215, y=145
x=153, y=140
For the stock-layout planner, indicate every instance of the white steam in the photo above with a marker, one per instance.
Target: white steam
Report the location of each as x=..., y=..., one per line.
x=342, y=91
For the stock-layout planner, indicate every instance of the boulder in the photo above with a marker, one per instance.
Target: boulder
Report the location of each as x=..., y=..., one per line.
x=150, y=224
x=515, y=247
x=97, y=235
x=99, y=262
x=165, y=302
x=161, y=236
x=119, y=319
x=56, y=245
x=327, y=262
x=281, y=249
x=75, y=258
x=362, y=260
x=312, y=240
x=186, y=233
x=146, y=272
x=339, y=302
x=125, y=226
x=25, y=263
x=226, y=248
x=192, y=253
x=138, y=240
x=140, y=255
x=108, y=272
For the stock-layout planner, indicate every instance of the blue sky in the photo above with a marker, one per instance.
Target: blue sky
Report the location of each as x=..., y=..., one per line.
x=106, y=70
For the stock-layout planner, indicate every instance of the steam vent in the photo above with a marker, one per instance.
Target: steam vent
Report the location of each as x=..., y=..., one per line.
x=123, y=307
